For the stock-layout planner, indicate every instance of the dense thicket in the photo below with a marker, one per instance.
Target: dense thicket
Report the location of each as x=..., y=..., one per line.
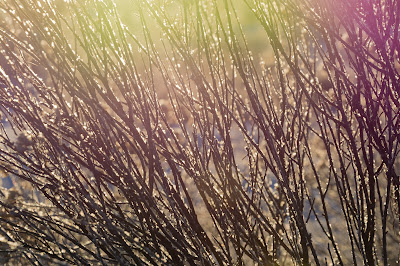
x=188, y=142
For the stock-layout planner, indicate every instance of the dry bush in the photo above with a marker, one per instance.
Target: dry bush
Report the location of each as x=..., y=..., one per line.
x=188, y=145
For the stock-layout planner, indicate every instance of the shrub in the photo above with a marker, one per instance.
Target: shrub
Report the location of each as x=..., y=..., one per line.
x=186, y=144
